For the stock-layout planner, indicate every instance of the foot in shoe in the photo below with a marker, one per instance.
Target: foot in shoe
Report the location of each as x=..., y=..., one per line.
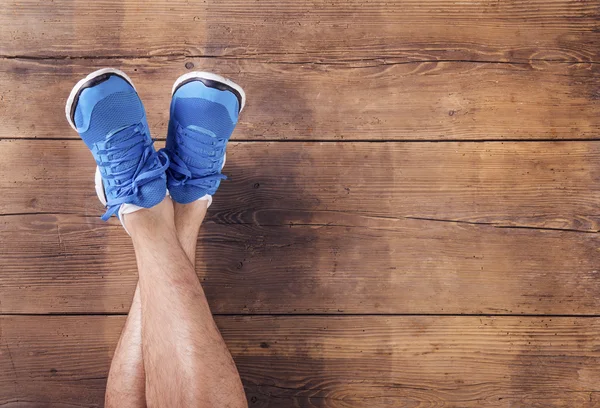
x=106, y=111
x=204, y=112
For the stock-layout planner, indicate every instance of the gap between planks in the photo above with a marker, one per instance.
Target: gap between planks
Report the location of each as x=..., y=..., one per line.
x=381, y=141
x=380, y=60
x=338, y=315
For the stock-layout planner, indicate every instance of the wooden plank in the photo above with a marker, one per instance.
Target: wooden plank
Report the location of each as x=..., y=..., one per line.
x=341, y=264
x=331, y=227
x=310, y=30
x=536, y=184
x=332, y=362
x=380, y=100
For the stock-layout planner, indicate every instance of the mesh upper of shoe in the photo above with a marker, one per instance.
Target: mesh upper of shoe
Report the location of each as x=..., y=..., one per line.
x=202, y=121
x=111, y=121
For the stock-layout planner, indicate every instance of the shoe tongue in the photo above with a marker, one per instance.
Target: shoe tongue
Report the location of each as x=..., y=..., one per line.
x=200, y=129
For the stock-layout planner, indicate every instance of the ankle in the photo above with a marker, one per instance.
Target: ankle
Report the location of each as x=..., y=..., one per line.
x=158, y=219
x=189, y=217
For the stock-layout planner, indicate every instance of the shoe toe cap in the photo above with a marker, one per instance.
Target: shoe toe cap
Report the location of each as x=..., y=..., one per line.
x=105, y=107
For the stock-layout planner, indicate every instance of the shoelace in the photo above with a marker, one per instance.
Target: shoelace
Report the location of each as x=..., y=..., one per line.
x=128, y=181
x=211, y=150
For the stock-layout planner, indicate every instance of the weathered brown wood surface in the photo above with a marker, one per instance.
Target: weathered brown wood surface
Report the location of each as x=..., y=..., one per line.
x=332, y=362
x=335, y=264
x=534, y=184
x=313, y=30
x=398, y=164
x=355, y=100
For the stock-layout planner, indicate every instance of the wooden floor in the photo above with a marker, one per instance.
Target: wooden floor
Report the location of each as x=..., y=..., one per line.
x=411, y=218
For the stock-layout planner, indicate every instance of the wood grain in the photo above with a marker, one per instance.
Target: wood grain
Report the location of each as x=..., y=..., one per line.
x=300, y=227
x=362, y=100
x=332, y=362
x=389, y=226
x=313, y=30
x=347, y=264
x=536, y=184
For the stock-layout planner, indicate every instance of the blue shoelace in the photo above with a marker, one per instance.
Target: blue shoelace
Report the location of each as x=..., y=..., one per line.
x=207, y=153
x=126, y=181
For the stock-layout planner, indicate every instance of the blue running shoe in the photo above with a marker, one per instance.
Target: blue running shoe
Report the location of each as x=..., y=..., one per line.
x=106, y=111
x=204, y=112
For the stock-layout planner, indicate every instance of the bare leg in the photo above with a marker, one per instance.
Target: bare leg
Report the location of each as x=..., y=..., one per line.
x=185, y=358
x=188, y=218
x=126, y=379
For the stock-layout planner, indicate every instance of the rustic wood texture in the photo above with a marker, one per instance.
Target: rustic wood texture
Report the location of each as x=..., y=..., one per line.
x=336, y=264
x=314, y=30
x=359, y=100
x=398, y=164
x=388, y=223
x=334, y=362
x=534, y=184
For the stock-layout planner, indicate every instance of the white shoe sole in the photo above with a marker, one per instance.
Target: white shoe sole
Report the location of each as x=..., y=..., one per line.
x=77, y=88
x=211, y=77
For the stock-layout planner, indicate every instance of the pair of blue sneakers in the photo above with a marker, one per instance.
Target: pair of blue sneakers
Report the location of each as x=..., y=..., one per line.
x=106, y=111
